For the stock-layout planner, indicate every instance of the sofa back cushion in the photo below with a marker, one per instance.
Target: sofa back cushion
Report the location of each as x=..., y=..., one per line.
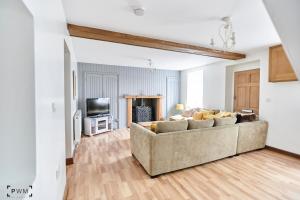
x=197, y=124
x=171, y=126
x=225, y=121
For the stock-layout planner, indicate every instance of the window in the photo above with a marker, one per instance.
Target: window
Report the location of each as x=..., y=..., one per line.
x=195, y=89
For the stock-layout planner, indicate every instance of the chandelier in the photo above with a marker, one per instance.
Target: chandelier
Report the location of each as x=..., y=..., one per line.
x=151, y=66
x=226, y=34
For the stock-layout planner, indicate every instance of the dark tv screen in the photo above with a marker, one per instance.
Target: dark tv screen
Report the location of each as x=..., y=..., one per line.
x=97, y=106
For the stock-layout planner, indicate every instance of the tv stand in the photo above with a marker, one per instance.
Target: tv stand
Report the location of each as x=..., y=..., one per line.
x=96, y=124
x=98, y=116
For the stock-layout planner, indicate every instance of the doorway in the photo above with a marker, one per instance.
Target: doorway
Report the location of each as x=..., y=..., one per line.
x=246, y=90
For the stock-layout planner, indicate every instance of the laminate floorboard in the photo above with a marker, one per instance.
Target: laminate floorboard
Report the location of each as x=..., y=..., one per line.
x=104, y=169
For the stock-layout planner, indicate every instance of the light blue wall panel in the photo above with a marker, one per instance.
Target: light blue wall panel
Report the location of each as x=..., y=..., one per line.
x=172, y=95
x=132, y=81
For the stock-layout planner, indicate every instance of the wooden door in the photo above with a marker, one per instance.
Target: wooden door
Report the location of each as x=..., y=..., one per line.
x=111, y=90
x=172, y=95
x=246, y=90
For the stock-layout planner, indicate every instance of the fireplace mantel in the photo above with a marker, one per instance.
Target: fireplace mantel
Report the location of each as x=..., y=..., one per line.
x=143, y=97
x=158, y=106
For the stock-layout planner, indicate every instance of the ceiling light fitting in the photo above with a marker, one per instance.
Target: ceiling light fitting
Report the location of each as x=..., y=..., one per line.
x=151, y=67
x=226, y=34
x=139, y=11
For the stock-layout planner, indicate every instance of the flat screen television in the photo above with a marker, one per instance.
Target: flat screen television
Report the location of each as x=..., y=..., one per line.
x=97, y=106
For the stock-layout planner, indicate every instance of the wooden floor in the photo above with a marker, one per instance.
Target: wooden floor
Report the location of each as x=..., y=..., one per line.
x=105, y=169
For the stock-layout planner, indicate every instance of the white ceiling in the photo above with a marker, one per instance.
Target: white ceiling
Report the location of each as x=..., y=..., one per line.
x=189, y=21
x=92, y=51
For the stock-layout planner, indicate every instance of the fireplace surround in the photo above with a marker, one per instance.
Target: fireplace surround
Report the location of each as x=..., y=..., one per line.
x=144, y=103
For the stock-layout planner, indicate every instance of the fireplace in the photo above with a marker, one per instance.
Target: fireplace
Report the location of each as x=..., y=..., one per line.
x=143, y=108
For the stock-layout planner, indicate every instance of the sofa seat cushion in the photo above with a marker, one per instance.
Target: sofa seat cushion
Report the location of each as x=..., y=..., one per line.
x=197, y=124
x=225, y=121
x=171, y=126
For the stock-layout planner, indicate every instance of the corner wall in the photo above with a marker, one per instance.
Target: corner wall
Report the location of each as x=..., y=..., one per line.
x=50, y=32
x=279, y=102
x=17, y=86
x=285, y=16
x=132, y=81
x=213, y=85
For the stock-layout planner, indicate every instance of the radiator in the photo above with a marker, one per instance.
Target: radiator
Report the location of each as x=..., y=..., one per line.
x=77, y=127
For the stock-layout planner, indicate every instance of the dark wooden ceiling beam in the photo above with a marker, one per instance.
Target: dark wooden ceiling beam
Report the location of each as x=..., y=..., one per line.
x=123, y=38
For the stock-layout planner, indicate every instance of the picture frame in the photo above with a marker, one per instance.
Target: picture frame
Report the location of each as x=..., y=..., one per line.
x=74, y=80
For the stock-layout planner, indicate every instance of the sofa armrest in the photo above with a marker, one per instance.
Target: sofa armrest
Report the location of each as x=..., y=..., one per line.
x=252, y=136
x=141, y=145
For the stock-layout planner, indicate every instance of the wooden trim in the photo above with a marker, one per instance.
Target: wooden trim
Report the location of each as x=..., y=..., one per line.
x=129, y=112
x=123, y=38
x=283, y=152
x=66, y=191
x=69, y=161
x=282, y=75
x=143, y=97
x=158, y=107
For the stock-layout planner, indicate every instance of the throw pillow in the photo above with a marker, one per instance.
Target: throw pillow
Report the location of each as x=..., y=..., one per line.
x=197, y=124
x=188, y=113
x=171, y=126
x=210, y=116
x=198, y=116
x=202, y=114
x=153, y=127
x=208, y=111
x=225, y=121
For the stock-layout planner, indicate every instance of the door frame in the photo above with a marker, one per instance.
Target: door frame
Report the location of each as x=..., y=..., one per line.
x=234, y=86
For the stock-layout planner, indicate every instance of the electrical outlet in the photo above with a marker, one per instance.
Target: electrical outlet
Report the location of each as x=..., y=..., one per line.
x=53, y=107
x=57, y=173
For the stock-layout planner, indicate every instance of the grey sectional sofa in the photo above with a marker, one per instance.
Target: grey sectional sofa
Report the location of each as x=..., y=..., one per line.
x=166, y=152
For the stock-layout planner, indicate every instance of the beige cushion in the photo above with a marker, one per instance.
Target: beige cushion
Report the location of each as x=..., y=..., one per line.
x=177, y=118
x=225, y=121
x=197, y=124
x=171, y=126
x=188, y=113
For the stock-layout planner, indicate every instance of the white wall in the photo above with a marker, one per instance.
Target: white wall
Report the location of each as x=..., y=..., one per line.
x=50, y=31
x=280, y=106
x=279, y=102
x=213, y=85
x=17, y=107
x=286, y=19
